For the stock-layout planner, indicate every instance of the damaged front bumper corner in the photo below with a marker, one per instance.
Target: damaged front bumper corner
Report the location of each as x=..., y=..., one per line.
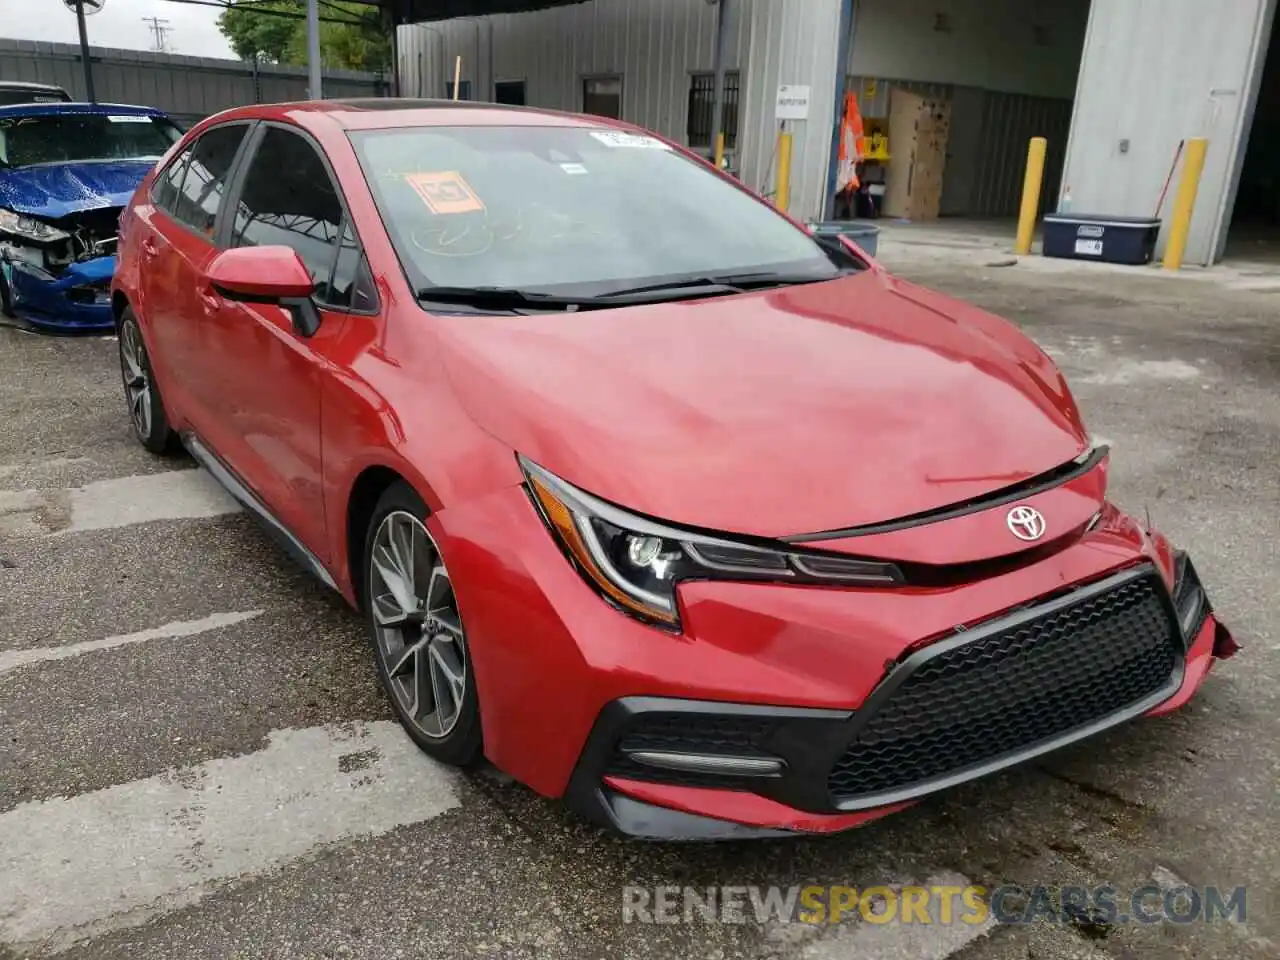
x=79, y=298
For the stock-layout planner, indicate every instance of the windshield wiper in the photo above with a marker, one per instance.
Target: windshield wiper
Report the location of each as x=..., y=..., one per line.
x=501, y=298
x=720, y=284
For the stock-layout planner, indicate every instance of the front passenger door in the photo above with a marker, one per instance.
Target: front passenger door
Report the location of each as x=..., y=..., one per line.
x=272, y=375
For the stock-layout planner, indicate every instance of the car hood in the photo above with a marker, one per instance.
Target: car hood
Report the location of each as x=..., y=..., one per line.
x=796, y=410
x=54, y=190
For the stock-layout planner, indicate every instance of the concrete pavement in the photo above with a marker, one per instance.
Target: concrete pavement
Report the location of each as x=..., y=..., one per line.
x=196, y=760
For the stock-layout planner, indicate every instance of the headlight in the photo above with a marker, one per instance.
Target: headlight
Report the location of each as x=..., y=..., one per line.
x=636, y=562
x=18, y=225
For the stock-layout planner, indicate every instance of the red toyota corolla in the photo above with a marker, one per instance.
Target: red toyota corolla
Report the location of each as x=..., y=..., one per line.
x=646, y=494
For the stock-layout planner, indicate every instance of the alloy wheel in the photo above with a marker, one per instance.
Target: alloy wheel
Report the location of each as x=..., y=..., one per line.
x=137, y=381
x=419, y=631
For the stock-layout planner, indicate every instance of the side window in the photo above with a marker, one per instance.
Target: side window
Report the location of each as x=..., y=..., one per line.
x=165, y=189
x=289, y=200
x=202, y=188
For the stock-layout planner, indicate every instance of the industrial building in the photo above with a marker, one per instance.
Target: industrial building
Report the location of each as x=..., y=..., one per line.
x=1114, y=85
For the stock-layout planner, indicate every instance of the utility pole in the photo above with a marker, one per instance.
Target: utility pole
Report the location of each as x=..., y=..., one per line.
x=717, y=104
x=160, y=29
x=313, y=48
x=84, y=53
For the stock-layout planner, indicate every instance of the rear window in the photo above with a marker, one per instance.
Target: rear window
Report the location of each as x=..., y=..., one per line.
x=11, y=95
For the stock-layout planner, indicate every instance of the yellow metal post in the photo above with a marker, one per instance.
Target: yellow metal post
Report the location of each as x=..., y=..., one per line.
x=782, y=196
x=1031, y=195
x=457, y=76
x=719, y=151
x=1184, y=204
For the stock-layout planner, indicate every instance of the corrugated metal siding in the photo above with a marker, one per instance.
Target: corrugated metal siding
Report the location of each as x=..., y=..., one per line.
x=1009, y=121
x=792, y=43
x=1155, y=72
x=188, y=88
x=654, y=45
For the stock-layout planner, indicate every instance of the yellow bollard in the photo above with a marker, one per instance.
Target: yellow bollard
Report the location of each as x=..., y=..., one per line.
x=782, y=196
x=1184, y=204
x=719, y=151
x=1031, y=195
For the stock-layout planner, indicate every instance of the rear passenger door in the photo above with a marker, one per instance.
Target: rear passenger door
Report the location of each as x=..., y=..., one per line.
x=178, y=243
x=287, y=196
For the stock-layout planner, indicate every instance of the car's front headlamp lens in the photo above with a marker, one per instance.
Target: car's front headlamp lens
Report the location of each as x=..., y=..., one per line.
x=637, y=563
x=20, y=226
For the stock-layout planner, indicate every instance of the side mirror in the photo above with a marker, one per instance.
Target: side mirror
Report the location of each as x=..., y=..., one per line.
x=270, y=275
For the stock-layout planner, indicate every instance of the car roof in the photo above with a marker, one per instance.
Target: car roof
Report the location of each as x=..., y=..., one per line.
x=374, y=113
x=78, y=109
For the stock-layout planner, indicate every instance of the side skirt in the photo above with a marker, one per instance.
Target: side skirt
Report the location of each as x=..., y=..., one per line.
x=236, y=487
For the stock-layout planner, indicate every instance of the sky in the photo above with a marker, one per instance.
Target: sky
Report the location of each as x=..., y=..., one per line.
x=193, y=30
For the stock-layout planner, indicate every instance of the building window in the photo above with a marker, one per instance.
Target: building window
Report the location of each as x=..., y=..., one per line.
x=702, y=94
x=509, y=92
x=464, y=90
x=602, y=96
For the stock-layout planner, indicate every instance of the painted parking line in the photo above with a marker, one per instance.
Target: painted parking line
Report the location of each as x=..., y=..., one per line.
x=903, y=941
x=80, y=867
x=109, y=504
x=176, y=495
x=13, y=659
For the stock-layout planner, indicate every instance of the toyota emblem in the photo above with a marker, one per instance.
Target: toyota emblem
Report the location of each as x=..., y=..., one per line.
x=1026, y=523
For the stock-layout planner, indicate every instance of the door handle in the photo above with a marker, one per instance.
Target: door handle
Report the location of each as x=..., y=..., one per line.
x=149, y=248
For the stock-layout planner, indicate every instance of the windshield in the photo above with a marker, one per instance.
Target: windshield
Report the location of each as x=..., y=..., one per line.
x=570, y=210
x=66, y=138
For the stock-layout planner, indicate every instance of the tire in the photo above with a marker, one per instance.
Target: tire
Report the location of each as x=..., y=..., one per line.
x=142, y=396
x=422, y=659
x=6, y=299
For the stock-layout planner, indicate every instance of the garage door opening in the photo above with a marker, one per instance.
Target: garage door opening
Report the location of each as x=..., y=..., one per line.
x=1254, y=232
x=950, y=95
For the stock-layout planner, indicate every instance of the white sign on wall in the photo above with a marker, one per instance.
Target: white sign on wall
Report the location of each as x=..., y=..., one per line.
x=793, y=103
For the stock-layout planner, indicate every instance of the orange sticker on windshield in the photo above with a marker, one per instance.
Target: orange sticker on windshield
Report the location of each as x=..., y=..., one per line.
x=445, y=192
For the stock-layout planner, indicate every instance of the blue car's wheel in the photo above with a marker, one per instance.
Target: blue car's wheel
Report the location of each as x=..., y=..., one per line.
x=146, y=411
x=6, y=298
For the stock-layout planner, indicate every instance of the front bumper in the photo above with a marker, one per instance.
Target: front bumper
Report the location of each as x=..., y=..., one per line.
x=78, y=300
x=698, y=810
x=831, y=707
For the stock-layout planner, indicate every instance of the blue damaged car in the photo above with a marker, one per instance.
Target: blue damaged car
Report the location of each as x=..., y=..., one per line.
x=66, y=172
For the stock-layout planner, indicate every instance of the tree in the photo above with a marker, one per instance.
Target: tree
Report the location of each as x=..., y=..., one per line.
x=255, y=34
x=358, y=42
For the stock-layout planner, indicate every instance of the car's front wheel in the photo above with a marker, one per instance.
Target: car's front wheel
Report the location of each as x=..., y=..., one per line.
x=413, y=621
x=146, y=410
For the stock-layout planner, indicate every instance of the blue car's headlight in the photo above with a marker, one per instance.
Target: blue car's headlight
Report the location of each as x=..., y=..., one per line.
x=636, y=563
x=19, y=226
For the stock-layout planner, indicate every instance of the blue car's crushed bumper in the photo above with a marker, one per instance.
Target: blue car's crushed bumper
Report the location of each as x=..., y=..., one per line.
x=79, y=299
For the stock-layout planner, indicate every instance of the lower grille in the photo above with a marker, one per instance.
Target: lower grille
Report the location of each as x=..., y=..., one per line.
x=687, y=733
x=963, y=704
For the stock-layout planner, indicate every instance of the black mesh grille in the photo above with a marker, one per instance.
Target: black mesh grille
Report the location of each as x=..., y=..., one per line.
x=688, y=733
x=1012, y=689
